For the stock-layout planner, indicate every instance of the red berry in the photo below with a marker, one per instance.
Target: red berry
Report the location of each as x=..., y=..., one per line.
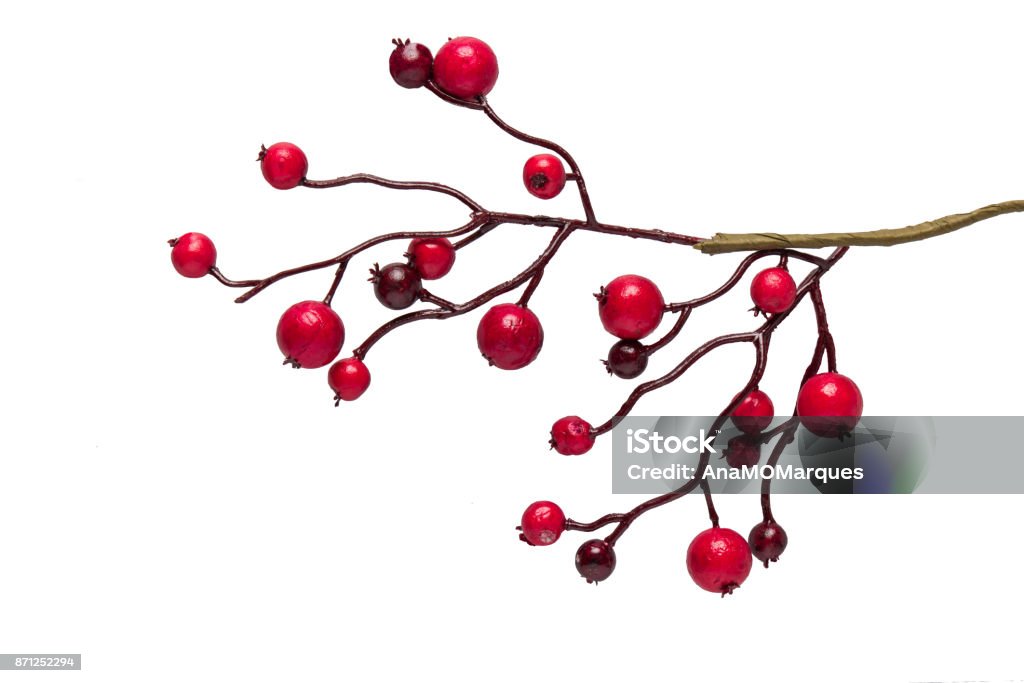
x=630, y=306
x=509, y=336
x=284, y=165
x=465, y=68
x=773, y=290
x=543, y=522
x=432, y=257
x=310, y=334
x=767, y=541
x=544, y=176
x=626, y=359
x=743, y=451
x=349, y=378
x=193, y=254
x=571, y=436
x=410, y=64
x=829, y=404
x=595, y=560
x=396, y=285
x=718, y=560
x=754, y=413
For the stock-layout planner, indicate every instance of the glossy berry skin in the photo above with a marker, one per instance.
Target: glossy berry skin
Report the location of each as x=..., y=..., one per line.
x=829, y=405
x=767, y=541
x=626, y=359
x=396, y=285
x=509, y=336
x=410, y=64
x=595, y=560
x=432, y=257
x=571, y=436
x=544, y=176
x=193, y=254
x=310, y=334
x=773, y=290
x=630, y=306
x=465, y=68
x=754, y=413
x=349, y=378
x=742, y=451
x=542, y=524
x=719, y=560
x=284, y=165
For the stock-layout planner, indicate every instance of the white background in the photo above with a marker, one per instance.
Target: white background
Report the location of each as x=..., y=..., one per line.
x=175, y=505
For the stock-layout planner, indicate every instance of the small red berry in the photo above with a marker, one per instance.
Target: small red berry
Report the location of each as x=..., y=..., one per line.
x=396, y=285
x=630, y=306
x=626, y=359
x=432, y=257
x=718, y=560
x=410, y=64
x=595, y=560
x=754, y=413
x=543, y=522
x=284, y=165
x=465, y=68
x=829, y=404
x=310, y=334
x=509, y=336
x=544, y=176
x=743, y=451
x=193, y=254
x=571, y=436
x=767, y=541
x=349, y=378
x=773, y=290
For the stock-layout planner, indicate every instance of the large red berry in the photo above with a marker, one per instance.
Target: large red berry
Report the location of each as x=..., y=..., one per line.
x=432, y=257
x=630, y=306
x=284, y=165
x=310, y=334
x=718, y=560
x=509, y=336
x=595, y=560
x=410, y=64
x=193, y=254
x=465, y=68
x=767, y=541
x=829, y=404
x=349, y=378
x=773, y=290
x=571, y=436
x=544, y=176
x=396, y=285
x=754, y=413
x=543, y=522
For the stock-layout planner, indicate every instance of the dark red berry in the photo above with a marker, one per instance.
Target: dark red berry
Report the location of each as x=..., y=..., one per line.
x=767, y=541
x=627, y=359
x=544, y=176
x=432, y=257
x=571, y=436
x=743, y=451
x=630, y=306
x=754, y=413
x=284, y=165
x=595, y=560
x=465, y=68
x=829, y=404
x=310, y=334
x=718, y=560
x=410, y=64
x=543, y=522
x=193, y=254
x=349, y=378
x=773, y=290
x=509, y=336
x=397, y=285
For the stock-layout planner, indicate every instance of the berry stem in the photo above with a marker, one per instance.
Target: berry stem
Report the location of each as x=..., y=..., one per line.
x=337, y=281
x=394, y=185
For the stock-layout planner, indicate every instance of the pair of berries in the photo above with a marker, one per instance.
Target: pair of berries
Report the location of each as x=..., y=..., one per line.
x=466, y=68
x=399, y=285
x=310, y=334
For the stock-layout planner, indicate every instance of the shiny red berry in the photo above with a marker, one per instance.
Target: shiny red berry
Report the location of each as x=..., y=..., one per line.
x=284, y=165
x=626, y=359
x=465, y=68
x=829, y=404
x=743, y=451
x=509, y=336
x=595, y=560
x=754, y=413
x=193, y=254
x=349, y=378
x=630, y=306
x=310, y=334
x=410, y=64
x=396, y=285
x=571, y=436
x=718, y=560
x=773, y=290
x=544, y=176
x=432, y=257
x=767, y=541
x=543, y=522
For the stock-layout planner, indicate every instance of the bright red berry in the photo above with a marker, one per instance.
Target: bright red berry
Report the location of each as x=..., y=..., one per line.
x=543, y=522
x=829, y=404
x=571, y=436
x=595, y=560
x=544, y=176
x=410, y=64
x=773, y=290
x=310, y=334
x=465, y=68
x=626, y=359
x=630, y=306
x=432, y=257
x=767, y=541
x=349, y=378
x=396, y=285
x=509, y=336
x=718, y=560
x=193, y=254
x=754, y=413
x=743, y=451
x=284, y=165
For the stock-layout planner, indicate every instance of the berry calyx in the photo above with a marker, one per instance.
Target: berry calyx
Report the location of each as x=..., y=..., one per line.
x=465, y=68
x=432, y=257
x=509, y=336
x=829, y=405
x=544, y=176
x=754, y=413
x=595, y=560
x=542, y=524
x=410, y=64
x=283, y=164
x=396, y=285
x=310, y=334
x=718, y=560
x=349, y=378
x=571, y=436
x=630, y=306
x=742, y=451
x=773, y=290
x=767, y=541
x=193, y=254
